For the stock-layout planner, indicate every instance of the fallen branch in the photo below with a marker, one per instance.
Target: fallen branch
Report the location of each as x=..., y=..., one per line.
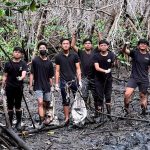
x=135, y=29
x=25, y=133
x=10, y=133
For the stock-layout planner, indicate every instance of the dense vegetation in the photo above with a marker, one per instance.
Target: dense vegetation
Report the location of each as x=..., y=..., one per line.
x=25, y=22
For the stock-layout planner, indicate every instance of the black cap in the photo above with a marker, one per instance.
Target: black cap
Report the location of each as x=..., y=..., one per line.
x=143, y=41
x=18, y=49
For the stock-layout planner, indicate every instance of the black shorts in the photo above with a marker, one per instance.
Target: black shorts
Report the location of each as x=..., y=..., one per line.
x=143, y=86
x=73, y=88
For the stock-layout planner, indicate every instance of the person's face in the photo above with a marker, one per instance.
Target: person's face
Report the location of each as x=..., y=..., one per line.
x=103, y=47
x=42, y=47
x=17, y=54
x=143, y=46
x=88, y=45
x=65, y=45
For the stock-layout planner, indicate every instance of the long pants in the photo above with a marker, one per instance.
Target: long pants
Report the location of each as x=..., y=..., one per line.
x=104, y=90
x=14, y=97
x=89, y=84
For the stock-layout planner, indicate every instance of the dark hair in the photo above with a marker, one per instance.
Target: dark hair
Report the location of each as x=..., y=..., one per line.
x=63, y=39
x=86, y=40
x=42, y=43
x=143, y=41
x=18, y=49
x=103, y=42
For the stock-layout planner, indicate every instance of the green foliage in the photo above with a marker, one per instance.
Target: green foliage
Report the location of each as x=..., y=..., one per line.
x=9, y=36
x=2, y=12
x=33, y=5
x=100, y=24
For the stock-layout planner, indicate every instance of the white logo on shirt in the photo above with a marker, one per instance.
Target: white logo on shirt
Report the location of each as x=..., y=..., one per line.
x=146, y=58
x=108, y=60
x=20, y=69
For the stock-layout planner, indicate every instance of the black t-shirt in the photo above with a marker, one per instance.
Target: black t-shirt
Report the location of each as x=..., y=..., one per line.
x=91, y=71
x=14, y=69
x=42, y=71
x=67, y=65
x=140, y=65
x=86, y=61
x=105, y=62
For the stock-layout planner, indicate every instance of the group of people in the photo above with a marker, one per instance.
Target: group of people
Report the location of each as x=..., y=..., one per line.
x=88, y=68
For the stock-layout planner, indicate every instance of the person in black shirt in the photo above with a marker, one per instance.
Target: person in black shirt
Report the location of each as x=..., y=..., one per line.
x=139, y=74
x=86, y=60
x=42, y=72
x=14, y=73
x=103, y=62
x=67, y=69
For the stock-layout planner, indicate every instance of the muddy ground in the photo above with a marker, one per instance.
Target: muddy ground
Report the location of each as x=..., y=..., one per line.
x=97, y=134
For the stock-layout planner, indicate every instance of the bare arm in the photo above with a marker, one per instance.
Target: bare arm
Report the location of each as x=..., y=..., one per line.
x=51, y=81
x=23, y=75
x=57, y=74
x=99, y=36
x=31, y=80
x=97, y=67
x=4, y=79
x=125, y=50
x=73, y=42
x=78, y=71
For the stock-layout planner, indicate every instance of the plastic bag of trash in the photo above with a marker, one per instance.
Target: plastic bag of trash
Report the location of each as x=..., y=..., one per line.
x=78, y=111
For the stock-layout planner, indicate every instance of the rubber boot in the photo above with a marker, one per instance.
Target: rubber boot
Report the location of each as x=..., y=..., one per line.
x=108, y=107
x=143, y=111
x=18, y=117
x=10, y=114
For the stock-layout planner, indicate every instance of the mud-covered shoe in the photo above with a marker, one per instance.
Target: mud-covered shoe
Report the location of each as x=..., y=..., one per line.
x=40, y=126
x=98, y=111
x=65, y=123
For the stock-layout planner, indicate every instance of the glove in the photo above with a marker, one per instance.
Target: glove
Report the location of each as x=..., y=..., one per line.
x=31, y=90
x=52, y=89
x=80, y=84
x=127, y=43
x=108, y=71
x=19, y=78
x=57, y=87
x=2, y=91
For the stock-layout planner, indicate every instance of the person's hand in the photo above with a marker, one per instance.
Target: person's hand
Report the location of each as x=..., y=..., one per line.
x=2, y=91
x=74, y=34
x=52, y=89
x=80, y=84
x=127, y=43
x=108, y=71
x=19, y=78
x=31, y=90
x=57, y=87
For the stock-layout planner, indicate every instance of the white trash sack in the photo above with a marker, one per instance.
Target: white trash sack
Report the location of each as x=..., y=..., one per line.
x=78, y=111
